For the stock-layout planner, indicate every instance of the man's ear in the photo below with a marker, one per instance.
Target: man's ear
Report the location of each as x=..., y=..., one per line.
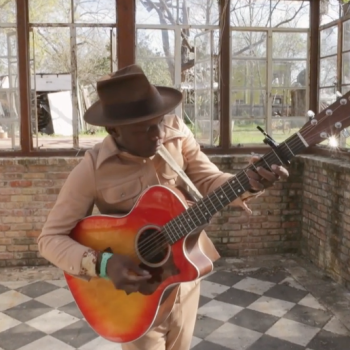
x=112, y=131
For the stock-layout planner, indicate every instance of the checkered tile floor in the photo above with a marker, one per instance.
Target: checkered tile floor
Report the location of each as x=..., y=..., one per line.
x=262, y=310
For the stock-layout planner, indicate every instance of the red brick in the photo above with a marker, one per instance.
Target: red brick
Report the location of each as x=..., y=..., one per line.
x=22, y=183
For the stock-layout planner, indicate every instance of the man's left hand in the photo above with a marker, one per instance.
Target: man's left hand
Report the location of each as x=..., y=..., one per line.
x=263, y=178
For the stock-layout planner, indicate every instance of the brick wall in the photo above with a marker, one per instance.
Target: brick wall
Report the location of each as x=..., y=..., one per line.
x=309, y=211
x=326, y=215
x=29, y=187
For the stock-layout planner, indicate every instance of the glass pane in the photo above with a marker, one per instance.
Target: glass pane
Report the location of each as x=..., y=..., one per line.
x=199, y=12
x=248, y=74
x=9, y=91
x=346, y=68
x=248, y=104
x=289, y=45
x=291, y=14
x=155, y=53
x=94, y=59
x=171, y=12
x=288, y=112
x=54, y=11
x=53, y=84
x=346, y=36
x=289, y=73
x=8, y=11
x=245, y=131
x=329, y=41
x=95, y=11
x=250, y=13
x=328, y=71
x=205, y=56
x=329, y=11
x=326, y=98
x=249, y=44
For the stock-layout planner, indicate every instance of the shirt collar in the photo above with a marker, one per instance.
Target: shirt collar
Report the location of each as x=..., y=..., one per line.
x=109, y=148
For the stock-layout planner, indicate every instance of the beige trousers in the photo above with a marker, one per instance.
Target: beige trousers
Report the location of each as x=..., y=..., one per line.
x=177, y=331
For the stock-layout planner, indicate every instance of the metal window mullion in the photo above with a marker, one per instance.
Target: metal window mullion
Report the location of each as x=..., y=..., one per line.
x=74, y=75
x=67, y=25
x=269, y=82
x=177, y=62
x=172, y=26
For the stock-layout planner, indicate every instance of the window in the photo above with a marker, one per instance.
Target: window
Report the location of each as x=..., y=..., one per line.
x=334, y=75
x=9, y=89
x=73, y=43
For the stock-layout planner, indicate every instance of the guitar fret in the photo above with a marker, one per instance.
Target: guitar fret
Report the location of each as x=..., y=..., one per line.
x=198, y=206
x=286, y=144
x=218, y=198
x=229, y=201
x=281, y=162
x=268, y=165
x=206, y=215
x=240, y=185
x=192, y=210
x=211, y=205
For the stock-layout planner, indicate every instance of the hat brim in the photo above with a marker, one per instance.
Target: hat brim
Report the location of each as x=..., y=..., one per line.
x=171, y=99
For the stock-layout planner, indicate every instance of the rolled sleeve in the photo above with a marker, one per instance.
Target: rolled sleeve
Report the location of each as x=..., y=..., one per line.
x=75, y=201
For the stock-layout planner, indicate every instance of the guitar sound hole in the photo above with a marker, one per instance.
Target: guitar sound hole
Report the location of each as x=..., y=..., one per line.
x=152, y=248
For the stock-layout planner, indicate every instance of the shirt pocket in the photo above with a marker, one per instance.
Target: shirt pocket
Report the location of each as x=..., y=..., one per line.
x=122, y=197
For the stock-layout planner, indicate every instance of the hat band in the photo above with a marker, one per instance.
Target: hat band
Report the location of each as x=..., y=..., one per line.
x=136, y=109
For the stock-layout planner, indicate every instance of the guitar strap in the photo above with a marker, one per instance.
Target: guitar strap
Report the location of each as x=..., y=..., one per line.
x=205, y=242
x=164, y=153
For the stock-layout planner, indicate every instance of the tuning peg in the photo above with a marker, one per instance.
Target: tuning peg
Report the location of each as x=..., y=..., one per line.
x=310, y=114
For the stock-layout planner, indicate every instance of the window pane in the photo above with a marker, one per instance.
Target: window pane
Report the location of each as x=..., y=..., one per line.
x=95, y=11
x=346, y=36
x=7, y=11
x=53, y=84
x=171, y=12
x=248, y=13
x=248, y=74
x=249, y=44
x=155, y=54
x=329, y=41
x=288, y=112
x=94, y=60
x=54, y=11
x=346, y=68
x=245, y=131
x=291, y=14
x=289, y=73
x=266, y=13
x=9, y=91
x=329, y=11
x=328, y=71
x=289, y=45
x=248, y=104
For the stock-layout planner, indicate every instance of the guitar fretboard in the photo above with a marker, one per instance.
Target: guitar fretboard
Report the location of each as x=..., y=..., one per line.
x=202, y=211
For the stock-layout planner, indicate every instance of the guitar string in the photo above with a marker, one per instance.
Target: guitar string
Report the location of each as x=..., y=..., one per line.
x=155, y=237
x=208, y=202
x=148, y=243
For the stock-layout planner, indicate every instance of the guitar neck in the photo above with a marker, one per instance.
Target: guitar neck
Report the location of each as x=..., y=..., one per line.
x=202, y=211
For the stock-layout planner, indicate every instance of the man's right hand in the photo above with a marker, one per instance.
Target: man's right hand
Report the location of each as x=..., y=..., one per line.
x=125, y=274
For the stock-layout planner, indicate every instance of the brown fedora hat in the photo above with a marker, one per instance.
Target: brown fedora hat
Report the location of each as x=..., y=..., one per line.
x=127, y=97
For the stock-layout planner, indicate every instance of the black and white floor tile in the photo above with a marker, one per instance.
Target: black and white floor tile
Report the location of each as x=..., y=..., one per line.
x=265, y=310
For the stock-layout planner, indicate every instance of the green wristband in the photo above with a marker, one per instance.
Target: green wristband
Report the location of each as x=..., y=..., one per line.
x=105, y=257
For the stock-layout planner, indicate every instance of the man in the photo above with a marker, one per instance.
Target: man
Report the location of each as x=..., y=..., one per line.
x=114, y=173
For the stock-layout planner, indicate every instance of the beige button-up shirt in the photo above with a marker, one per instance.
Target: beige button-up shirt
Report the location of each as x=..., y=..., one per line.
x=113, y=180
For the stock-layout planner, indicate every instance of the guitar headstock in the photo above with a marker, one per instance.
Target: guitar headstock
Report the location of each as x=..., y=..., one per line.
x=330, y=122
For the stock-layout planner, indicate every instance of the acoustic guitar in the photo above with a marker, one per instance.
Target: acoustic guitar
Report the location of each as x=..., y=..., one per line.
x=161, y=234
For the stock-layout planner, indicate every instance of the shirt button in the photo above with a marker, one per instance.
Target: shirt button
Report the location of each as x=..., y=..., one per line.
x=71, y=268
x=123, y=195
x=144, y=160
